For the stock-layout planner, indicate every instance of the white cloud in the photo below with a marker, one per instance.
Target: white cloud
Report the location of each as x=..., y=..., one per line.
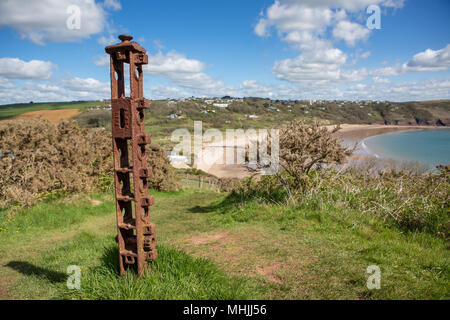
x=311, y=26
x=107, y=41
x=323, y=65
x=252, y=88
x=429, y=89
x=297, y=22
x=69, y=89
x=350, y=32
x=112, y=4
x=102, y=60
x=351, y=5
x=172, y=65
x=386, y=72
x=163, y=92
x=185, y=72
x=5, y=84
x=46, y=20
x=365, y=55
x=428, y=60
x=158, y=44
x=353, y=75
x=293, y=17
x=85, y=85
x=381, y=80
x=14, y=68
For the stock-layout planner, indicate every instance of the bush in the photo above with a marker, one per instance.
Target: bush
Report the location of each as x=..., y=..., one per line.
x=39, y=159
x=310, y=158
x=410, y=201
x=94, y=119
x=304, y=147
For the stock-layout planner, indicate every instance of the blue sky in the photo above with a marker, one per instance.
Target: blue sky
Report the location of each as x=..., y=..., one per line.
x=286, y=49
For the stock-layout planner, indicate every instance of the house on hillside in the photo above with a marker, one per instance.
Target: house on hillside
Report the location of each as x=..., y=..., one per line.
x=221, y=105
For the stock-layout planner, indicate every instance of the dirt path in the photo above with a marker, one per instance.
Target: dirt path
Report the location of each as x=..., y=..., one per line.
x=54, y=116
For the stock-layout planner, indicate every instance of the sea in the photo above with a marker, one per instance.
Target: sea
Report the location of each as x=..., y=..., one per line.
x=428, y=147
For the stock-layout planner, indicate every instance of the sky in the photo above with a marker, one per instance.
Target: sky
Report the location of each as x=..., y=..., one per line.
x=397, y=50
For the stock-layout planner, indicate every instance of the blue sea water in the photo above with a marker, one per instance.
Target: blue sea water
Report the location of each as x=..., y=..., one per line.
x=430, y=147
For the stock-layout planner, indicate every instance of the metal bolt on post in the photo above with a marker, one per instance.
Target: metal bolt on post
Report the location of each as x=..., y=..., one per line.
x=135, y=233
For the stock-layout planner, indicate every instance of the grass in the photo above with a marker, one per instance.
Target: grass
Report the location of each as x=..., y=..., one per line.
x=212, y=248
x=340, y=245
x=41, y=242
x=12, y=110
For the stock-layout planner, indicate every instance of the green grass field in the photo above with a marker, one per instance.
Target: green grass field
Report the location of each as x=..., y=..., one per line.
x=210, y=248
x=12, y=110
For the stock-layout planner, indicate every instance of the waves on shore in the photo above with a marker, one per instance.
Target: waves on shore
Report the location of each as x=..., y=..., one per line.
x=366, y=150
x=429, y=147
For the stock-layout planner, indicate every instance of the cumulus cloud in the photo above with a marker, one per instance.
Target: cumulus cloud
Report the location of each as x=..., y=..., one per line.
x=305, y=26
x=351, y=5
x=185, y=72
x=5, y=83
x=428, y=89
x=164, y=92
x=69, y=89
x=252, y=88
x=106, y=41
x=112, y=4
x=323, y=65
x=102, y=60
x=300, y=21
x=14, y=68
x=46, y=20
x=293, y=17
x=312, y=26
x=350, y=32
x=428, y=60
x=381, y=80
x=85, y=85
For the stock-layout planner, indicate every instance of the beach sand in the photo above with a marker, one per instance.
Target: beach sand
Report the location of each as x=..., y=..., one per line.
x=350, y=134
x=358, y=132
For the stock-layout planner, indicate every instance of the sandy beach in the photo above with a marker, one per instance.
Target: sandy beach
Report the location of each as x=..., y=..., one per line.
x=358, y=132
x=350, y=134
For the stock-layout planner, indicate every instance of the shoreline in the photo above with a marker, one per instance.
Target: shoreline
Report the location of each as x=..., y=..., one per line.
x=349, y=134
x=356, y=135
x=358, y=132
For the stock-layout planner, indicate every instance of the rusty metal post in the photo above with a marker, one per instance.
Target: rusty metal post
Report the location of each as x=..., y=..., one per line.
x=135, y=233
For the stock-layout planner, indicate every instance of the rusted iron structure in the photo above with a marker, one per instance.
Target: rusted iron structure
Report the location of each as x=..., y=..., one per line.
x=135, y=233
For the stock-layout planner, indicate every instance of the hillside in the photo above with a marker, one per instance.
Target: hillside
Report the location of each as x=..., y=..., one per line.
x=165, y=116
x=210, y=250
x=311, y=235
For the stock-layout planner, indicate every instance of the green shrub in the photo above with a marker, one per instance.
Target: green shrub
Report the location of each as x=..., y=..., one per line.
x=409, y=201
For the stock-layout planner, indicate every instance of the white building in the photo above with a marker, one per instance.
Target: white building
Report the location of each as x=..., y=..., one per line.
x=220, y=105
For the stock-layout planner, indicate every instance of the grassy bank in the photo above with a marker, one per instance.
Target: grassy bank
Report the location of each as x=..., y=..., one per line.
x=211, y=248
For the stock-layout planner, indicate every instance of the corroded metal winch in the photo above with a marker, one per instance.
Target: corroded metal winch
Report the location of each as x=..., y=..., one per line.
x=135, y=233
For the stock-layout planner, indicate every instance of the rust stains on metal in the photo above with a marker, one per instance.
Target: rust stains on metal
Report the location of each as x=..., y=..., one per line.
x=135, y=233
